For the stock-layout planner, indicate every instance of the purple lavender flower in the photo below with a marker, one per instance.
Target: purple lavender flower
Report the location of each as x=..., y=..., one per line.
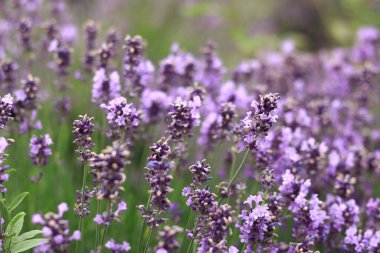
x=214, y=230
x=105, y=54
x=258, y=123
x=138, y=72
x=178, y=69
x=40, y=149
x=107, y=217
x=183, y=118
x=211, y=68
x=167, y=239
x=160, y=150
x=342, y=213
x=200, y=171
x=83, y=128
x=362, y=241
x=257, y=224
x=6, y=110
x=56, y=231
x=108, y=170
x=105, y=87
x=154, y=104
x=159, y=179
x=91, y=31
x=25, y=30
x=82, y=208
x=122, y=115
x=117, y=248
x=4, y=177
x=200, y=200
x=26, y=97
x=63, y=60
x=8, y=79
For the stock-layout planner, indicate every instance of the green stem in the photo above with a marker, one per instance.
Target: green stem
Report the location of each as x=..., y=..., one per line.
x=81, y=207
x=97, y=225
x=238, y=170
x=143, y=224
x=147, y=242
x=105, y=228
x=190, y=217
x=234, y=156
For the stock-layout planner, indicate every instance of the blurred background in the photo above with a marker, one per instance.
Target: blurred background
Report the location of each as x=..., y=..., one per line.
x=239, y=27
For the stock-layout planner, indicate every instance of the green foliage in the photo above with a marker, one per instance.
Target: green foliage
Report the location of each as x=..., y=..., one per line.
x=13, y=242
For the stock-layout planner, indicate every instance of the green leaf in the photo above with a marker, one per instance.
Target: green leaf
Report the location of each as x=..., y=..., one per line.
x=15, y=226
x=26, y=236
x=27, y=245
x=5, y=211
x=17, y=201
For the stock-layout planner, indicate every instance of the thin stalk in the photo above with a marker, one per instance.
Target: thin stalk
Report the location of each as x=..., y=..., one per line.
x=97, y=225
x=187, y=226
x=192, y=240
x=238, y=170
x=233, y=164
x=150, y=234
x=82, y=202
x=147, y=242
x=105, y=228
x=143, y=224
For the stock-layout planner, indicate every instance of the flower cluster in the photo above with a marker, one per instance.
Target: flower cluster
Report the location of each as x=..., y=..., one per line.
x=167, y=239
x=6, y=110
x=105, y=87
x=56, y=231
x=40, y=149
x=138, y=72
x=117, y=248
x=121, y=114
x=257, y=224
x=83, y=128
x=258, y=122
x=107, y=217
x=108, y=171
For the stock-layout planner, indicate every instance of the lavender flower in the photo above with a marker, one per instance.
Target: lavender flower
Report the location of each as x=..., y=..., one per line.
x=183, y=119
x=108, y=170
x=105, y=87
x=40, y=149
x=82, y=208
x=122, y=115
x=6, y=110
x=107, y=217
x=214, y=231
x=4, y=177
x=8, y=70
x=200, y=200
x=160, y=150
x=154, y=104
x=167, y=242
x=342, y=213
x=362, y=241
x=257, y=224
x=138, y=72
x=118, y=248
x=26, y=97
x=55, y=230
x=63, y=60
x=159, y=179
x=211, y=68
x=200, y=171
x=83, y=128
x=258, y=123
x=25, y=30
